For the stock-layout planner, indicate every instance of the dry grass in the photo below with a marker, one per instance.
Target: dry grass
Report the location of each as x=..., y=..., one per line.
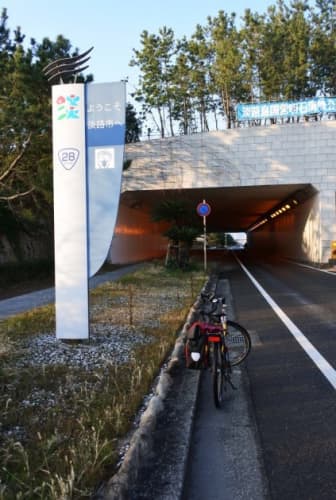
x=61, y=424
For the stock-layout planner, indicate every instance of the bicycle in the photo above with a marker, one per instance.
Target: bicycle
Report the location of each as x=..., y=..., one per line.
x=225, y=343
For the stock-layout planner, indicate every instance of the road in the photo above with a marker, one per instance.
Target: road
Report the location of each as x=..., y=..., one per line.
x=290, y=311
x=27, y=301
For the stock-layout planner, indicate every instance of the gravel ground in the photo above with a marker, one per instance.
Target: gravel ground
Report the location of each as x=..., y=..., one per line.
x=112, y=342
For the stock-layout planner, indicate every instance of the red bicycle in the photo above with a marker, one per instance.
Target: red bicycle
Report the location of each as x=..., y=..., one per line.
x=217, y=343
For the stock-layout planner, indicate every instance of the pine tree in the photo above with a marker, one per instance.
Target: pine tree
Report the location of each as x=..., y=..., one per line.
x=25, y=130
x=228, y=72
x=155, y=91
x=323, y=48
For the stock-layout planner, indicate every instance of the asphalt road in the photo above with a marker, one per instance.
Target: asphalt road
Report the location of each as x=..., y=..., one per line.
x=27, y=301
x=223, y=462
x=291, y=373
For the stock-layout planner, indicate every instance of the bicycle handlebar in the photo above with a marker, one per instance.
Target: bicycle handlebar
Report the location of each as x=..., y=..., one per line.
x=215, y=304
x=211, y=297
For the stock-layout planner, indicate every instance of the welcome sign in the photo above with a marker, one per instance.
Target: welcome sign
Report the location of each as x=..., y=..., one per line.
x=88, y=144
x=105, y=137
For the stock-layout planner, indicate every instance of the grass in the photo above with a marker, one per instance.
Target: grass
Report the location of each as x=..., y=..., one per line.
x=61, y=423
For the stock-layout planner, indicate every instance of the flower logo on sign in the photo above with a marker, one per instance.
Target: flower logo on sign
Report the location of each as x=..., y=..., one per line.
x=68, y=107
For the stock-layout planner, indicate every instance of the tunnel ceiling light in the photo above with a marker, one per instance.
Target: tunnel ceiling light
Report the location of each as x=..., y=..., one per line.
x=261, y=223
x=288, y=204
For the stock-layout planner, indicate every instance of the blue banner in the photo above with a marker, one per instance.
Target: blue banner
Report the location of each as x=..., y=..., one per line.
x=286, y=109
x=105, y=138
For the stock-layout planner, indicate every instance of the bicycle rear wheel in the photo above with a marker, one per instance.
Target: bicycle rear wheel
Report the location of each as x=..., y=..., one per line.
x=217, y=374
x=238, y=342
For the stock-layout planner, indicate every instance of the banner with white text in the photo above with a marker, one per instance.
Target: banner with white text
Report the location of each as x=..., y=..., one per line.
x=286, y=109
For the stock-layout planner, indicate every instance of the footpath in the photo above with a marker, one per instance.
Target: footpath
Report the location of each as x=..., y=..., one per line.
x=27, y=301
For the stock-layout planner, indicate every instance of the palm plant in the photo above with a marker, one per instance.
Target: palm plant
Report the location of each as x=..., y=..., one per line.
x=181, y=233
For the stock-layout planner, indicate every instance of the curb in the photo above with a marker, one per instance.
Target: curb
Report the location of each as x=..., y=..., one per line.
x=142, y=441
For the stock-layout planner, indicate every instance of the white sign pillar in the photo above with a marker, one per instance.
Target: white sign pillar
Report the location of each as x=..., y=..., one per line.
x=88, y=146
x=70, y=211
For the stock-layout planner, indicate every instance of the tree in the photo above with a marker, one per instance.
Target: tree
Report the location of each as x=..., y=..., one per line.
x=182, y=111
x=201, y=56
x=323, y=48
x=251, y=38
x=228, y=72
x=25, y=131
x=181, y=233
x=133, y=125
x=297, y=54
x=155, y=89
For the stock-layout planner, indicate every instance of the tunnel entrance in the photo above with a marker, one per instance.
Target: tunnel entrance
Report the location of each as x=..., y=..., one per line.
x=272, y=218
x=233, y=209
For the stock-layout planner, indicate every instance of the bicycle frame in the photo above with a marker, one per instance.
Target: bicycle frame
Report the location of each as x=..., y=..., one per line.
x=218, y=343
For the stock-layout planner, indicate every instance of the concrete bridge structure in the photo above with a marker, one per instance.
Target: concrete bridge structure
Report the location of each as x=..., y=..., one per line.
x=277, y=183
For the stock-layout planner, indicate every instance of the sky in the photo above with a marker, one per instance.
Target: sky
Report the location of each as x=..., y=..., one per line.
x=113, y=27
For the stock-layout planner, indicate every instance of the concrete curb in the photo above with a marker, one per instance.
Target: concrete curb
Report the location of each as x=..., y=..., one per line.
x=141, y=444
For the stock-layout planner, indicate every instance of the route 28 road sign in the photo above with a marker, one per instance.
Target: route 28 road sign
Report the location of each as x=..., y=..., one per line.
x=203, y=209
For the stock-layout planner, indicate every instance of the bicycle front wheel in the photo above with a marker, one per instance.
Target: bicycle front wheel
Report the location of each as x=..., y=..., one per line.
x=217, y=375
x=238, y=342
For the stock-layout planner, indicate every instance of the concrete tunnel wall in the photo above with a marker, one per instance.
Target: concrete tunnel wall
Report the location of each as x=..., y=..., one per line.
x=136, y=237
x=256, y=156
x=296, y=235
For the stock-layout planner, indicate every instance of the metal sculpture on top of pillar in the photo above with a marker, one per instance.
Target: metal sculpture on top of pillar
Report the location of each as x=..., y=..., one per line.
x=88, y=146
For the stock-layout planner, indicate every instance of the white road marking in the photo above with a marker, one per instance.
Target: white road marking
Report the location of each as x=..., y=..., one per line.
x=313, y=268
x=322, y=364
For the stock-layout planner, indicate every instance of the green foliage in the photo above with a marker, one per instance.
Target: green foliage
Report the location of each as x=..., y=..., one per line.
x=25, y=129
x=26, y=197
x=183, y=230
x=155, y=63
x=173, y=210
x=288, y=52
x=133, y=125
x=185, y=234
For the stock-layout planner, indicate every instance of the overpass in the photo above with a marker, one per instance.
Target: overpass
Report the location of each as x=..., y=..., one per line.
x=277, y=183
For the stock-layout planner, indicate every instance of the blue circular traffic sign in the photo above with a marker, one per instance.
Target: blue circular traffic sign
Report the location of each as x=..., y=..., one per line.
x=203, y=209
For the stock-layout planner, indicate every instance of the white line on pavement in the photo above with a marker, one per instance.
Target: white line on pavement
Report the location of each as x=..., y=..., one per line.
x=313, y=268
x=322, y=364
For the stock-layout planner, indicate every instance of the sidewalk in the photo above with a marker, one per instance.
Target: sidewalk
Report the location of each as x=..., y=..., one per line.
x=22, y=303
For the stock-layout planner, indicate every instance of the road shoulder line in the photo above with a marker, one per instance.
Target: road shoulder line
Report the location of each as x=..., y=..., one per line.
x=322, y=364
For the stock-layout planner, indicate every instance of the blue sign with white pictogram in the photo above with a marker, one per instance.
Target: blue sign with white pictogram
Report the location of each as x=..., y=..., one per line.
x=105, y=137
x=203, y=209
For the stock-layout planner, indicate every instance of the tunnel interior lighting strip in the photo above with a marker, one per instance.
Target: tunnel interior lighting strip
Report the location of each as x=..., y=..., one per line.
x=291, y=202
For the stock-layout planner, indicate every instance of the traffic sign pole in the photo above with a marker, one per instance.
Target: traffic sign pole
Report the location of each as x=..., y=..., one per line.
x=205, y=244
x=204, y=209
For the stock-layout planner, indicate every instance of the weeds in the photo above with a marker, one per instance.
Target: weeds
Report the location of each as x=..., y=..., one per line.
x=61, y=423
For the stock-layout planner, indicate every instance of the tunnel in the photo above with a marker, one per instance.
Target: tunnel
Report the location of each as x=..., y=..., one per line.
x=277, y=219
